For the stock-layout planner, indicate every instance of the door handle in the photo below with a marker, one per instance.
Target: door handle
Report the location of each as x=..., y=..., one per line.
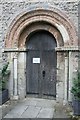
x=43, y=73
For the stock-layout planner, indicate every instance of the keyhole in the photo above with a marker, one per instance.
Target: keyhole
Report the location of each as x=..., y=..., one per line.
x=43, y=73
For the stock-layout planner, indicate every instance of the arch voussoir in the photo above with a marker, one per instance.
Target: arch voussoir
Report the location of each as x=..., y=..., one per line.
x=59, y=21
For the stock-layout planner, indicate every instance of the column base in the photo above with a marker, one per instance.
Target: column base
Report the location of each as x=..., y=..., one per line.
x=65, y=102
x=15, y=97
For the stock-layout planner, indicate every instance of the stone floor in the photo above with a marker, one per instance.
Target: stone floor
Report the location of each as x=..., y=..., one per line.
x=33, y=108
x=37, y=108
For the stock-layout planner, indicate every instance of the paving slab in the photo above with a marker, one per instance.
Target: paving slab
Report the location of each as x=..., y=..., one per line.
x=29, y=102
x=6, y=107
x=46, y=103
x=31, y=112
x=46, y=113
x=16, y=112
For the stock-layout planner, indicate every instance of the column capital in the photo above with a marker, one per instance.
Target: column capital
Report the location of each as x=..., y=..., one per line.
x=66, y=54
x=15, y=55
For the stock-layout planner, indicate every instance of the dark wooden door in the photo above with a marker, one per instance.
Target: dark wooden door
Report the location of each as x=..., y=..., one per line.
x=33, y=72
x=41, y=64
x=48, y=67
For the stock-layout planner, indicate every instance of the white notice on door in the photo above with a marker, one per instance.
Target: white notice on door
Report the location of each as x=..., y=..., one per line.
x=36, y=60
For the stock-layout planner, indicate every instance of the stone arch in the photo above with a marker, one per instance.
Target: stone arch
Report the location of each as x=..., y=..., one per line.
x=39, y=26
x=56, y=19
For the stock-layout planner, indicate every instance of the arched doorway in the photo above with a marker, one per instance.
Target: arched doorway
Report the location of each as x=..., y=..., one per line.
x=41, y=64
x=56, y=23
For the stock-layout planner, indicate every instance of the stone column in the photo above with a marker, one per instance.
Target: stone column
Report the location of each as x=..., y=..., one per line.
x=10, y=82
x=15, y=78
x=70, y=79
x=60, y=77
x=22, y=75
x=66, y=79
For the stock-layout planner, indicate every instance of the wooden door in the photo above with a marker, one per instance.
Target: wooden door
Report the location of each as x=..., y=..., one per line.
x=41, y=64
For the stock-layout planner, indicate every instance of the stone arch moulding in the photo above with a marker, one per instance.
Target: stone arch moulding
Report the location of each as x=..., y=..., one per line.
x=53, y=17
x=36, y=27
